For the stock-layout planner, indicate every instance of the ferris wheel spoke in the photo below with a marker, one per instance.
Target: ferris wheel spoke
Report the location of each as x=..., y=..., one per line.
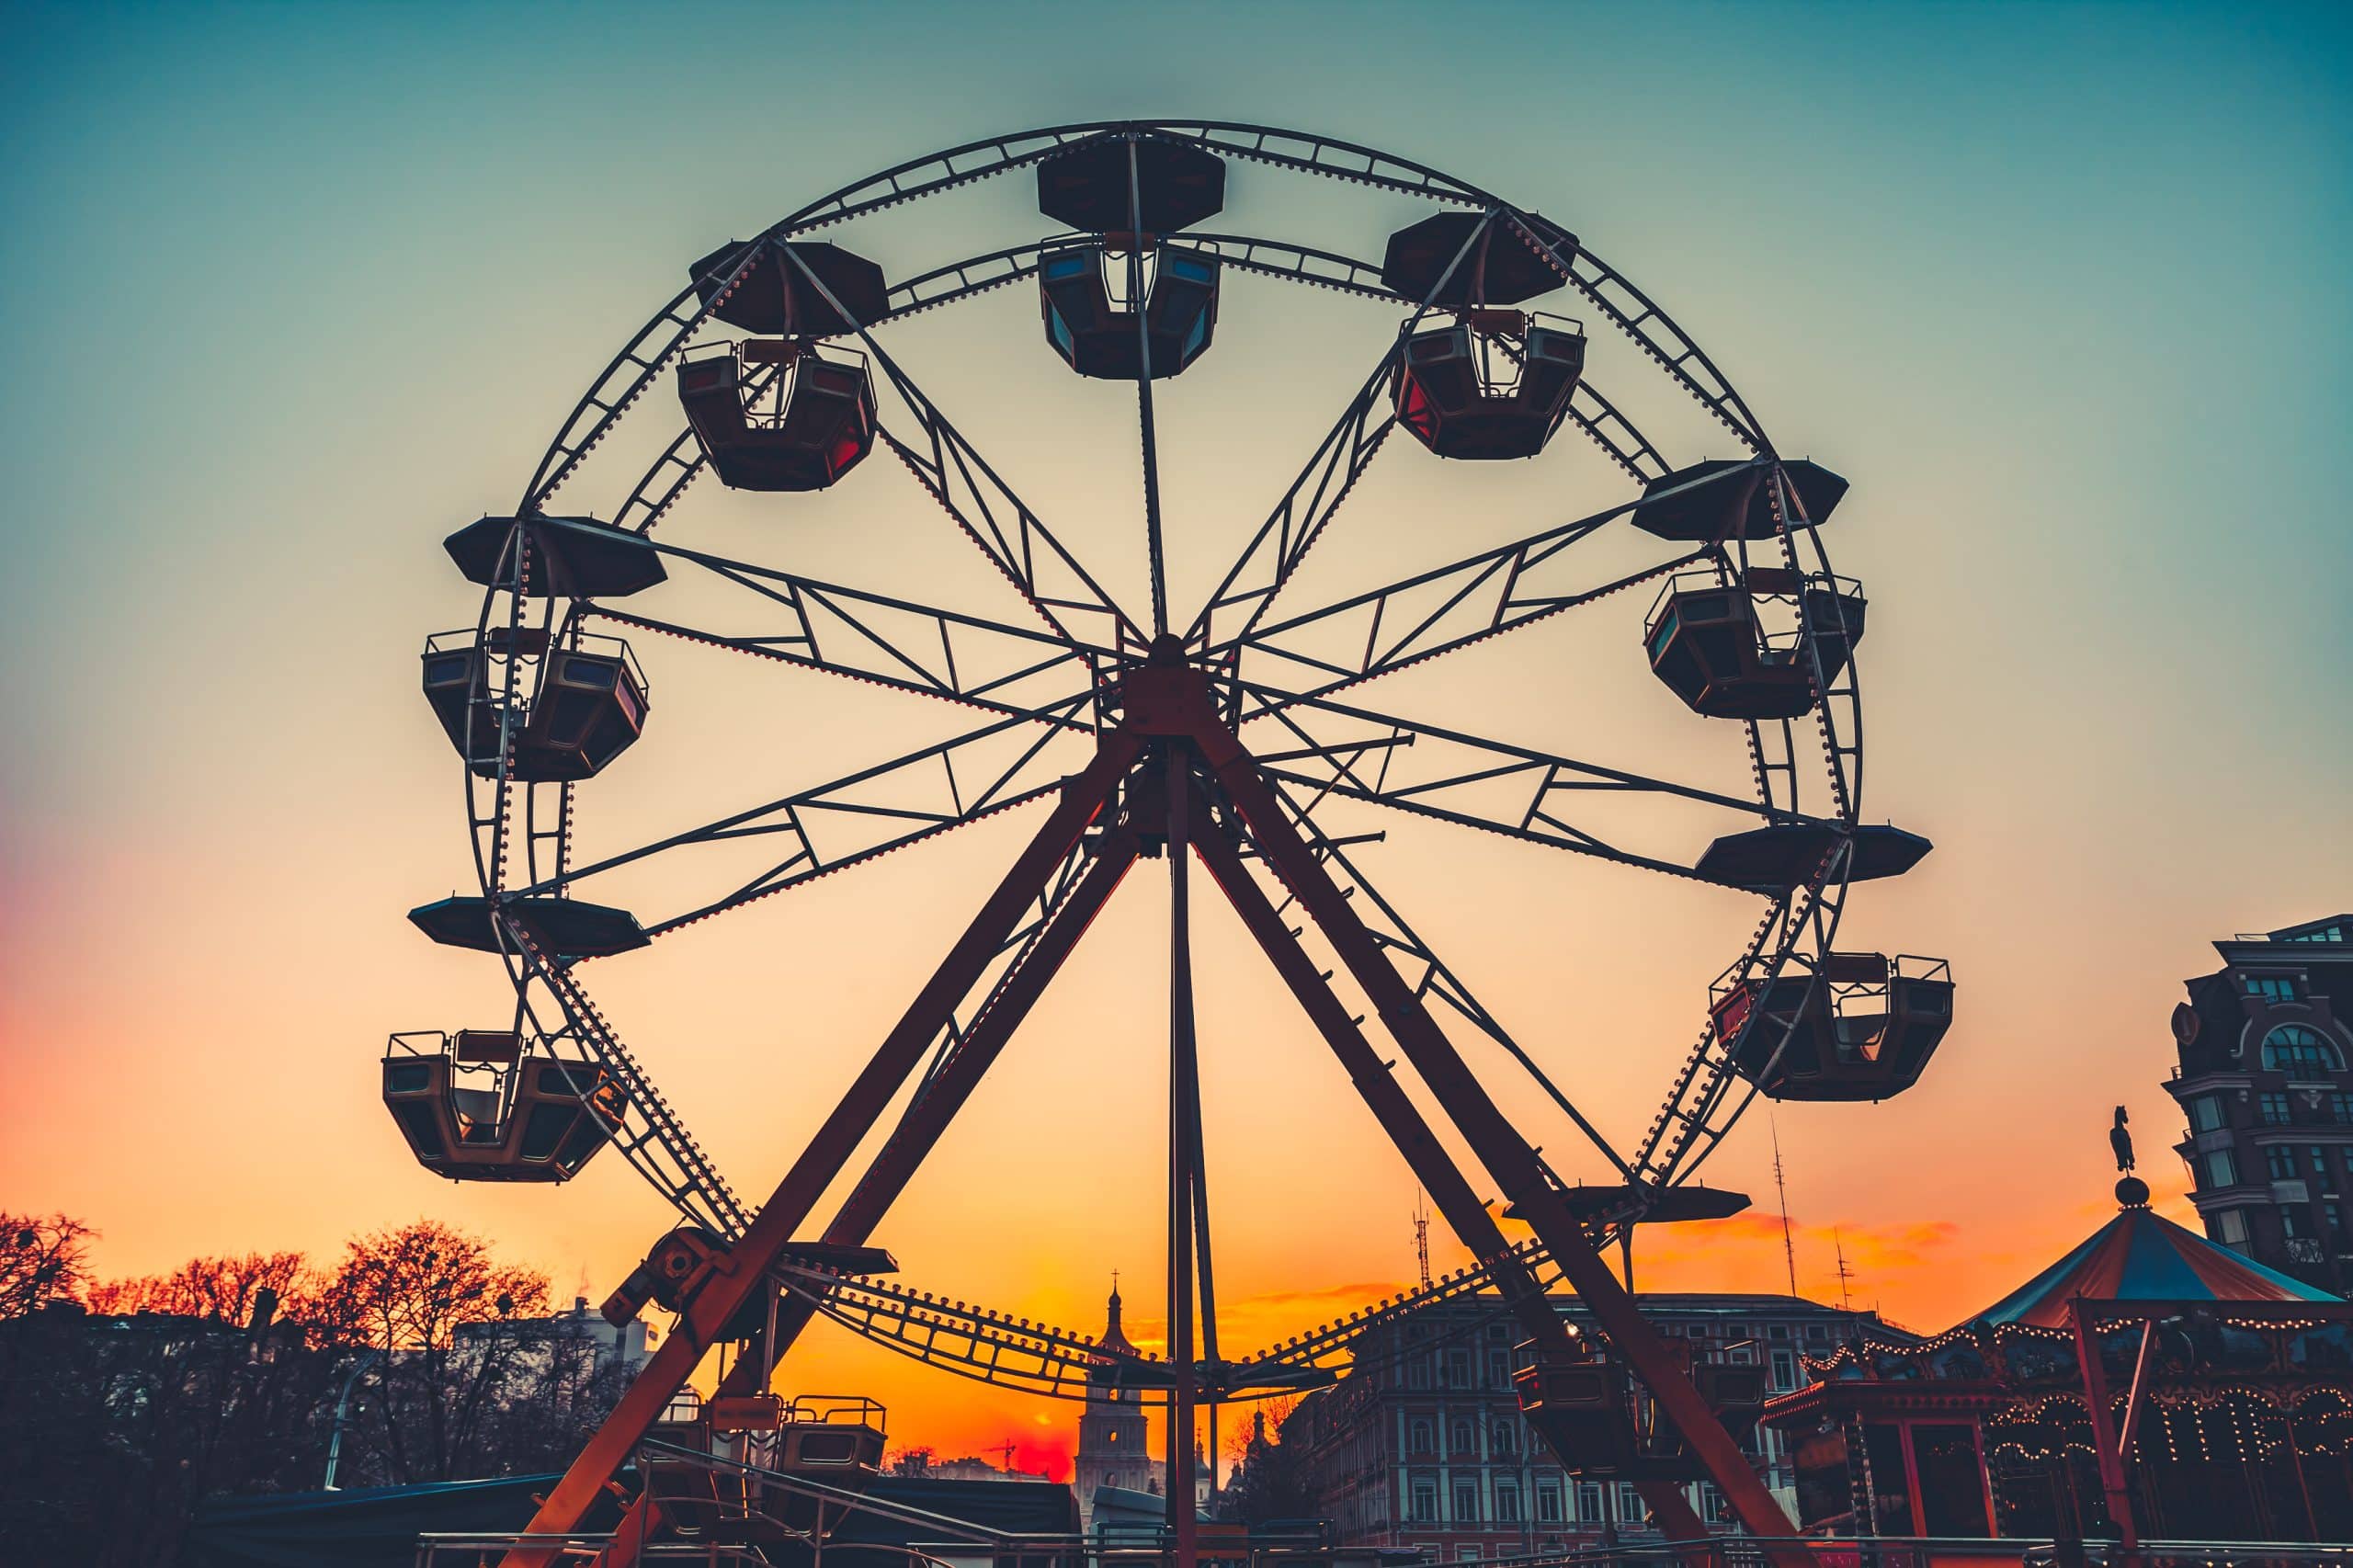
x=1429, y=975
x=880, y=662
x=1037, y=564
x=896, y=636
x=1307, y=508
x=849, y=821
x=1447, y=608
x=1500, y=788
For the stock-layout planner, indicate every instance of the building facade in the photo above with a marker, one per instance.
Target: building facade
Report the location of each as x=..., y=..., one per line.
x=581, y=1333
x=2263, y=1084
x=1114, y=1449
x=1422, y=1444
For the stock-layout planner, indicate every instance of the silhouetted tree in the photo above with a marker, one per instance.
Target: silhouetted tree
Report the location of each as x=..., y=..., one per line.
x=1269, y=1479
x=223, y=1287
x=440, y=1313
x=114, y=1425
x=41, y=1260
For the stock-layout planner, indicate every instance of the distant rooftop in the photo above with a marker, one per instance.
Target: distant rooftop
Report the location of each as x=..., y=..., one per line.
x=2330, y=928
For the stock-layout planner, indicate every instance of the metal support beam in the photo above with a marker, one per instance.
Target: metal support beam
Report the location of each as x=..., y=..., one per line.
x=919, y=1129
x=2106, y=1448
x=1498, y=1146
x=1183, y=1088
x=1376, y=1084
x=745, y=1266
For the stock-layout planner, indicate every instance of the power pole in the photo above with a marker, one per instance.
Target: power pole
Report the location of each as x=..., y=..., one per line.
x=1422, y=1233
x=1788, y=1249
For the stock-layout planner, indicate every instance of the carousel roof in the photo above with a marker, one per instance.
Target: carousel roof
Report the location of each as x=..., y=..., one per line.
x=2140, y=1256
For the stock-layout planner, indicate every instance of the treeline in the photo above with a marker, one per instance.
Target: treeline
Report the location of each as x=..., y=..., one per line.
x=124, y=1403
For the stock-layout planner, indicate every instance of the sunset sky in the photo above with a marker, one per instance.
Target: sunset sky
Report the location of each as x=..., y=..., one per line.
x=293, y=292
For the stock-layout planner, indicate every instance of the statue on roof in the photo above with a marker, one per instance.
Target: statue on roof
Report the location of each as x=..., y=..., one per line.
x=2131, y=1192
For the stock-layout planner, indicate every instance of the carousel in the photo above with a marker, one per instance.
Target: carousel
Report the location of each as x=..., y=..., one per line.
x=2148, y=1385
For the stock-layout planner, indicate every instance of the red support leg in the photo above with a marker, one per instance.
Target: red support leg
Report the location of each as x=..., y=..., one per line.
x=1403, y=1122
x=1498, y=1146
x=2106, y=1448
x=745, y=1266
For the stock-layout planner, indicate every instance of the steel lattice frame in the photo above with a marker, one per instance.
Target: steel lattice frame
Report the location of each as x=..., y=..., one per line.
x=1167, y=708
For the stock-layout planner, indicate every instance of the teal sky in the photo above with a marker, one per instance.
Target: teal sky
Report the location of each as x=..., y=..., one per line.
x=290, y=291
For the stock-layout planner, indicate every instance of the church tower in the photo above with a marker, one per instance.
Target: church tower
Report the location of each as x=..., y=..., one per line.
x=1113, y=1449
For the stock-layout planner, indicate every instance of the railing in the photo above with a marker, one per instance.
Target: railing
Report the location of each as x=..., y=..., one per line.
x=1923, y=1551
x=1141, y=1548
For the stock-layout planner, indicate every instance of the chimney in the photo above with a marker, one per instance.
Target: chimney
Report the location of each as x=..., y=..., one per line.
x=257, y=1326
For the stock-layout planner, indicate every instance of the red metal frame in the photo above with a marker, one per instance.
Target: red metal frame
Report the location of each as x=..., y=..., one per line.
x=1171, y=710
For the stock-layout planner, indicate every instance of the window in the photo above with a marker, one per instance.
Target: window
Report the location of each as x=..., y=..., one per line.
x=1589, y=1503
x=2340, y=1108
x=1779, y=1331
x=2333, y=1215
x=2320, y=1160
x=1417, y=1372
x=2317, y=934
x=2272, y=988
x=1499, y=1369
x=1711, y=1505
x=1785, y=1371
x=2206, y=1113
x=2279, y=1162
x=1816, y=1331
x=1506, y=1504
x=2222, y=1170
x=2230, y=1228
x=1548, y=1504
x=1503, y=1439
x=2275, y=1110
x=1420, y=1441
x=2299, y=1051
x=1458, y=1369
x=1466, y=1554
x=2294, y=1223
x=1630, y=1508
x=1425, y=1502
x=1462, y=1439
x=1466, y=1502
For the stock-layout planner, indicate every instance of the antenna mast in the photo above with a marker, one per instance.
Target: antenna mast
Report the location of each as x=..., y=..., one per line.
x=1845, y=1273
x=1422, y=1234
x=1788, y=1249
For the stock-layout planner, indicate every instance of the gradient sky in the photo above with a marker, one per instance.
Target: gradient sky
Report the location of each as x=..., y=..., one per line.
x=292, y=292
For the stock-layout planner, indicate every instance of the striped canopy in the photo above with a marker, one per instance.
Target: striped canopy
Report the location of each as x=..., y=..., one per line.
x=2141, y=1256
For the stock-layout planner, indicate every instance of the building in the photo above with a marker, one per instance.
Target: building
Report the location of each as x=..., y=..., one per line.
x=1114, y=1445
x=581, y=1332
x=2263, y=1083
x=970, y=1467
x=2148, y=1379
x=1422, y=1444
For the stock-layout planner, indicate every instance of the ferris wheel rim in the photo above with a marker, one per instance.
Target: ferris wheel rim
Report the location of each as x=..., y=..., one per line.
x=814, y=216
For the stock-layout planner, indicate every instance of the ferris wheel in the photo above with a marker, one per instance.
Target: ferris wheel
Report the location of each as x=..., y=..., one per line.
x=1235, y=731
